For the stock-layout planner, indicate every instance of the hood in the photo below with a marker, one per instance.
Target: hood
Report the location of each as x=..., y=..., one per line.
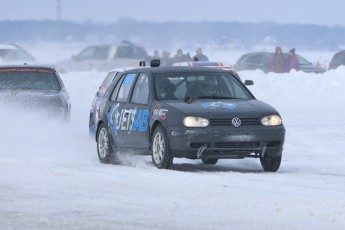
x=311, y=69
x=218, y=109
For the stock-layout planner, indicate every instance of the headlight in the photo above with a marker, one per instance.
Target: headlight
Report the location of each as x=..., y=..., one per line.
x=271, y=120
x=195, y=122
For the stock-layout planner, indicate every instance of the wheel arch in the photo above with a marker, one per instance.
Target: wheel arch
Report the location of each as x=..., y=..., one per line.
x=97, y=129
x=154, y=126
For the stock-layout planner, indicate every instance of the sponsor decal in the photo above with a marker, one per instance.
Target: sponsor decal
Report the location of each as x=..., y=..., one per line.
x=128, y=80
x=128, y=119
x=157, y=111
x=219, y=104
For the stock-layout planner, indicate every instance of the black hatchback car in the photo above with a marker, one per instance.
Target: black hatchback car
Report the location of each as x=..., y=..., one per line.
x=34, y=88
x=189, y=112
x=261, y=60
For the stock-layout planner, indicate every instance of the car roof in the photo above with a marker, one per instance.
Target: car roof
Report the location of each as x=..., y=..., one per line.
x=26, y=66
x=214, y=64
x=122, y=69
x=178, y=69
x=8, y=46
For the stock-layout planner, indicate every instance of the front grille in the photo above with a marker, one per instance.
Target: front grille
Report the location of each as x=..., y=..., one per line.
x=235, y=145
x=228, y=121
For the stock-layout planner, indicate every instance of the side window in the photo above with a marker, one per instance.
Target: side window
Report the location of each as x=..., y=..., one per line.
x=109, y=78
x=141, y=90
x=125, y=87
x=266, y=60
x=87, y=53
x=253, y=59
x=116, y=89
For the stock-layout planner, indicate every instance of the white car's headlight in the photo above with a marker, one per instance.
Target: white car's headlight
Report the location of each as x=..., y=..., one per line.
x=195, y=122
x=271, y=120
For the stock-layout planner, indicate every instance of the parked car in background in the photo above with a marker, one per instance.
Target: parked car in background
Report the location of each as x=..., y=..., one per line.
x=212, y=64
x=11, y=53
x=337, y=60
x=261, y=60
x=190, y=112
x=104, y=58
x=34, y=88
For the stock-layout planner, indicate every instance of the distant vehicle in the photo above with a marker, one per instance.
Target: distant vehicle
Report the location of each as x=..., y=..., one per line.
x=13, y=54
x=212, y=64
x=190, y=112
x=34, y=88
x=104, y=58
x=337, y=60
x=261, y=60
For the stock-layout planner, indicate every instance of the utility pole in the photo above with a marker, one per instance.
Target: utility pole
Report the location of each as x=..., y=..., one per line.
x=58, y=10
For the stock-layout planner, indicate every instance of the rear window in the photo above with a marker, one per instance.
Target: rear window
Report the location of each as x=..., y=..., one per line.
x=28, y=79
x=13, y=55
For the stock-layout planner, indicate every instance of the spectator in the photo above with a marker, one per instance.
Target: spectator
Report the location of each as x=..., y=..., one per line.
x=292, y=61
x=180, y=57
x=166, y=60
x=277, y=61
x=199, y=55
x=156, y=55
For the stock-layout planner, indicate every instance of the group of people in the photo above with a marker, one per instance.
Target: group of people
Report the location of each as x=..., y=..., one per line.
x=166, y=60
x=280, y=64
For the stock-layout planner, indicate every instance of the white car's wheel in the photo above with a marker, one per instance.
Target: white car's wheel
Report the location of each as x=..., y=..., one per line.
x=160, y=147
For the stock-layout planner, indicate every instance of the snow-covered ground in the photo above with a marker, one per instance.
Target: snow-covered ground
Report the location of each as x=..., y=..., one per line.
x=50, y=176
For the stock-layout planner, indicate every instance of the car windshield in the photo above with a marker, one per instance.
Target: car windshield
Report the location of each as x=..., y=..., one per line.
x=28, y=79
x=13, y=55
x=180, y=86
x=301, y=60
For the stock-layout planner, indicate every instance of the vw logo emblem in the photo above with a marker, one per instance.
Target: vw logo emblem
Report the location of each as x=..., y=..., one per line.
x=236, y=121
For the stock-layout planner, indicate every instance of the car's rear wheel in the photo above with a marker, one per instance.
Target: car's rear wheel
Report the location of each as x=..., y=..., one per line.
x=270, y=163
x=162, y=156
x=209, y=161
x=106, y=154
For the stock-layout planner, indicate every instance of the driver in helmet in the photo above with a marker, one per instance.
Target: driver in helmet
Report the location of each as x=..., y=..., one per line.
x=165, y=89
x=209, y=86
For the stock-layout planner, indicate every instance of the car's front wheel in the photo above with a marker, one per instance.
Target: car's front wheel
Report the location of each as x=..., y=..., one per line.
x=106, y=154
x=162, y=156
x=270, y=163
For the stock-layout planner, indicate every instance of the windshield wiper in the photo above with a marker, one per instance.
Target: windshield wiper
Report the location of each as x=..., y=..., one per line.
x=188, y=100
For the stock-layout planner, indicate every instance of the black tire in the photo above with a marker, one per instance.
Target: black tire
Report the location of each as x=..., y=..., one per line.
x=106, y=154
x=270, y=163
x=162, y=156
x=209, y=161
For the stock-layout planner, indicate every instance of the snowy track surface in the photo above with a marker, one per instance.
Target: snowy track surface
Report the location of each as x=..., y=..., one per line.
x=50, y=176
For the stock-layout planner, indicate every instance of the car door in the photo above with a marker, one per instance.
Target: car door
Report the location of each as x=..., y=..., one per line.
x=118, y=114
x=137, y=134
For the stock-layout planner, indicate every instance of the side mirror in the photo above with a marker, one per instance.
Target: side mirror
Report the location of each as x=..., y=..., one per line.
x=249, y=82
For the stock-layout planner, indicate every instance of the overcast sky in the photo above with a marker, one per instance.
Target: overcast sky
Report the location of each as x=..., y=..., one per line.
x=318, y=12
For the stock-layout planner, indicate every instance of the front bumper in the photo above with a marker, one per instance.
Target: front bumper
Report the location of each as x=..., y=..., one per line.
x=226, y=142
